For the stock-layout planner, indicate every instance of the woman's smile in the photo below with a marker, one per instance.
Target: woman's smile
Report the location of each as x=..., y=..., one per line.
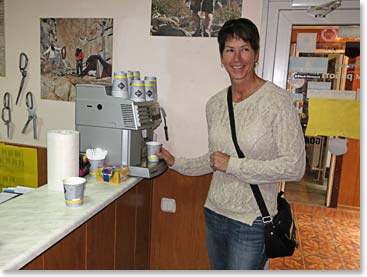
x=239, y=59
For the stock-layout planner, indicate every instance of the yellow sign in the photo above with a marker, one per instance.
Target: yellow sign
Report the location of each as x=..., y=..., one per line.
x=333, y=117
x=18, y=166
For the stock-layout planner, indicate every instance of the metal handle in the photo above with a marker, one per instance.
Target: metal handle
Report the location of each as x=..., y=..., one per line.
x=7, y=100
x=23, y=57
x=29, y=100
x=6, y=115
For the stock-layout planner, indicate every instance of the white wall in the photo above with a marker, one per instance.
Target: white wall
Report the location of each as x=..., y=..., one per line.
x=188, y=69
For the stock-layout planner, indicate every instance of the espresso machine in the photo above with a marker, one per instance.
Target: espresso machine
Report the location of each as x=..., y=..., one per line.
x=121, y=126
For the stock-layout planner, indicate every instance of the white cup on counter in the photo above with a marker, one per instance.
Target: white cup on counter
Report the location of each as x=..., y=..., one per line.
x=74, y=191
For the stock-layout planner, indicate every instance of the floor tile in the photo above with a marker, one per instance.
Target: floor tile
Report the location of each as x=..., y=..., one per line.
x=329, y=239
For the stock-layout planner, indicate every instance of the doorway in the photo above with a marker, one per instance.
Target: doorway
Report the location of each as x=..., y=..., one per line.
x=342, y=74
x=297, y=34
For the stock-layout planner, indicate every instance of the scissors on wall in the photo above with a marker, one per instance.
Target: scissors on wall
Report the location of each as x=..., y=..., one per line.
x=31, y=114
x=23, y=63
x=6, y=113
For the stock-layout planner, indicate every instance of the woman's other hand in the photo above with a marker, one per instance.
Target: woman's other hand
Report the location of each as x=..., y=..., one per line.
x=219, y=161
x=167, y=156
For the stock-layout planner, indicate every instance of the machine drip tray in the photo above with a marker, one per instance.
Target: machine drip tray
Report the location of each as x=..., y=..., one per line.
x=148, y=170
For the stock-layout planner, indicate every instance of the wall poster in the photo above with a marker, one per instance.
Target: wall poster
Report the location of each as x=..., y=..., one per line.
x=192, y=18
x=74, y=51
x=2, y=39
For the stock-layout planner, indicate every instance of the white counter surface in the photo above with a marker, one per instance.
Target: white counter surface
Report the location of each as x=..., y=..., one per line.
x=33, y=222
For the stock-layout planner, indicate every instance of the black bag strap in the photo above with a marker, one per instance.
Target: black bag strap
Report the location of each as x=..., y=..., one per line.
x=255, y=188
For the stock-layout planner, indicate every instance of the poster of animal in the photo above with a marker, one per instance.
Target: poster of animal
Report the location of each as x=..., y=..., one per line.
x=74, y=51
x=2, y=39
x=192, y=18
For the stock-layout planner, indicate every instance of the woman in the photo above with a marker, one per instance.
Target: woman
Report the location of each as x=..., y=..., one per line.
x=270, y=135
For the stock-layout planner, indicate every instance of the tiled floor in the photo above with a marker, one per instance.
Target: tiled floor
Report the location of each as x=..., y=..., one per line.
x=329, y=239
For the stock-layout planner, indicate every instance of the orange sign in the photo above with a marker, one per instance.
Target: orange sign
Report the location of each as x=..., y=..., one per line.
x=329, y=34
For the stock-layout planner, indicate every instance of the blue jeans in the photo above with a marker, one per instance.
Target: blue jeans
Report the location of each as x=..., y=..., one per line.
x=233, y=244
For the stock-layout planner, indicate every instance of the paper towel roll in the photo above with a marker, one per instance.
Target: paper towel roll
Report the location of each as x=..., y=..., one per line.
x=62, y=157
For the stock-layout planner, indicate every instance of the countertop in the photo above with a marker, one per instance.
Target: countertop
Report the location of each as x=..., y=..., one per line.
x=33, y=222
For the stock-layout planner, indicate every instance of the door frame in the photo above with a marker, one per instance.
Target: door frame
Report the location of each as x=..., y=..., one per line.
x=276, y=26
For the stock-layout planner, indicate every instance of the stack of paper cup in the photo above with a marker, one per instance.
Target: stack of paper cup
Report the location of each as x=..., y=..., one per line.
x=137, y=93
x=130, y=75
x=136, y=75
x=154, y=81
x=150, y=92
x=119, y=85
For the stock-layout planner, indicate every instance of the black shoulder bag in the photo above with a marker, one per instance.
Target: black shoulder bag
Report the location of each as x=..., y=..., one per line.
x=280, y=231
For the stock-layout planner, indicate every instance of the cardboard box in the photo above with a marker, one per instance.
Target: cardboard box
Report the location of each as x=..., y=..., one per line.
x=112, y=174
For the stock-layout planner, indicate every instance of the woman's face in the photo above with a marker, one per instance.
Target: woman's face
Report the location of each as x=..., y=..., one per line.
x=239, y=59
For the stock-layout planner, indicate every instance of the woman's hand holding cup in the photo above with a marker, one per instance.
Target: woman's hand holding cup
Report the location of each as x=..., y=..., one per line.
x=166, y=155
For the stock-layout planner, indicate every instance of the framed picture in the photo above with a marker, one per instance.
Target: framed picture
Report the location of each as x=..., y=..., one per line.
x=192, y=18
x=74, y=51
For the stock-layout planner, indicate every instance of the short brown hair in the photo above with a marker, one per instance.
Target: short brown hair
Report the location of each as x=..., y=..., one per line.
x=242, y=28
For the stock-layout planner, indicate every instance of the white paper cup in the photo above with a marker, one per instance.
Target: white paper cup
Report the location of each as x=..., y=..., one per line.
x=136, y=75
x=154, y=80
x=74, y=191
x=94, y=164
x=150, y=92
x=130, y=77
x=152, y=148
x=137, y=93
x=119, y=85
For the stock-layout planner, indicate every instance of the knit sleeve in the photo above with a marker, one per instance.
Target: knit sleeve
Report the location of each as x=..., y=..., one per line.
x=193, y=166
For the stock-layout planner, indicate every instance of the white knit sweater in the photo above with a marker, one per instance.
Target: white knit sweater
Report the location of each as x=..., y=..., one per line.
x=269, y=134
